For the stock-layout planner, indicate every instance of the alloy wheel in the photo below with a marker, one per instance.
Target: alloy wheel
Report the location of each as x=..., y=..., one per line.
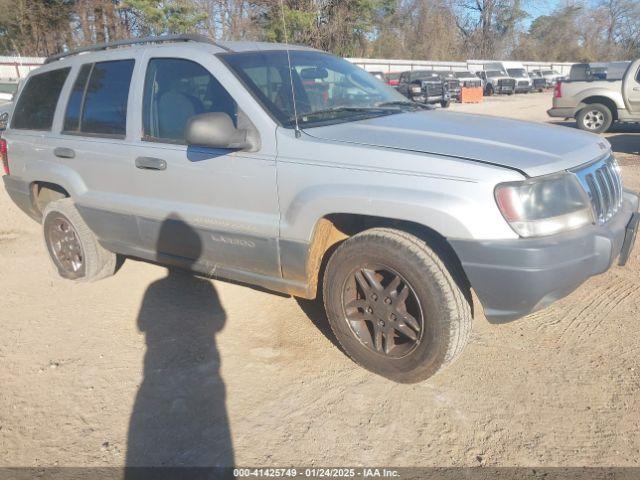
x=593, y=119
x=65, y=246
x=383, y=311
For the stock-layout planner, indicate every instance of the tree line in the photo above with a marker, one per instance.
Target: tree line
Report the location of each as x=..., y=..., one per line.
x=588, y=30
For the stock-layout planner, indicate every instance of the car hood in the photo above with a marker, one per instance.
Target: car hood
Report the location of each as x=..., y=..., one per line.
x=531, y=148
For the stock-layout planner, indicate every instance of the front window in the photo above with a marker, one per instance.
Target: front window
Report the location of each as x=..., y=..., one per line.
x=176, y=90
x=517, y=72
x=494, y=74
x=464, y=74
x=327, y=89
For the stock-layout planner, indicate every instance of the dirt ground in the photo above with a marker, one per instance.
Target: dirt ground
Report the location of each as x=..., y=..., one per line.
x=185, y=371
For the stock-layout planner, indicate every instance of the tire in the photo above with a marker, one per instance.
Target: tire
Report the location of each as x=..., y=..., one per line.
x=489, y=91
x=73, y=248
x=445, y=103
x=431, y=296
x=595, y=118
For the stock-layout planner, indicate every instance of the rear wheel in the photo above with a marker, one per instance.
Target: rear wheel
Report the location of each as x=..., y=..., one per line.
x=72, y=246
x=445, y=103
x=595, y=118
x=394, y=306
x=489, y=90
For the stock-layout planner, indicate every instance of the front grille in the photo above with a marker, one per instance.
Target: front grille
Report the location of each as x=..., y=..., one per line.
x=433, y=89
x=523, y=83
x=453, y=85
x=603, y=184
x=506, y=82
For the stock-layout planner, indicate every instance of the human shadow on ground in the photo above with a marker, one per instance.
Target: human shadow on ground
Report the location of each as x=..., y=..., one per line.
x=179, y=418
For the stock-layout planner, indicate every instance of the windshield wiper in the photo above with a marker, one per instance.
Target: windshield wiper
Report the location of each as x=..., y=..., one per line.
x=403, y=103
x=328, y=111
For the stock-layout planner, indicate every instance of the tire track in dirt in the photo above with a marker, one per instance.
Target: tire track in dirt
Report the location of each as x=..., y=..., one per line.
x=569, y=323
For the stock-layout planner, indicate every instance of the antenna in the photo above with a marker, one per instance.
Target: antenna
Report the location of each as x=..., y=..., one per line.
x=293, y=93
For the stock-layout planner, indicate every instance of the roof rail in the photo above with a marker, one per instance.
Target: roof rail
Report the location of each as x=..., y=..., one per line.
x=136, y=41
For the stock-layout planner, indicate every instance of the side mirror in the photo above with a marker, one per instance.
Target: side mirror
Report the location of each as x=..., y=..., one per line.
x=216, y=130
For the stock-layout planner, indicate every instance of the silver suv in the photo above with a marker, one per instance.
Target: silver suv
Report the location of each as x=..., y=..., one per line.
x=298, y=172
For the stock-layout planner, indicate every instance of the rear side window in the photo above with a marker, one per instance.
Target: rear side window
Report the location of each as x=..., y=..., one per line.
x=98, y=101
x=37, y=103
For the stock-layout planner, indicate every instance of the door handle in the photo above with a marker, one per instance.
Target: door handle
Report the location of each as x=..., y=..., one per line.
x=62, y=152
x=151, y=163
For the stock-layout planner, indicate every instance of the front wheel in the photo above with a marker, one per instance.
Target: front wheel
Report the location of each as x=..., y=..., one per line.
x=73, y=248
x=488, y=91
x=595, y=118
x=445, y=103
x=394, y=306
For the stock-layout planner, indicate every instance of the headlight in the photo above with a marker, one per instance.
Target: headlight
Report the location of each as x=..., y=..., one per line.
x=416, y=89
x=544, y=205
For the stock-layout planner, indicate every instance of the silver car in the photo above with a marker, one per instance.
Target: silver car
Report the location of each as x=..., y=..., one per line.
x=298, y=172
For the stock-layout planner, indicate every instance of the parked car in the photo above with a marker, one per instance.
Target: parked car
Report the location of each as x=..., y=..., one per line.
x=392, y=78
x=195, y=153
x=453, y=85
x=539, y=82
x=495, y=81
x=596, y=104
x=468, y=79
x=550, y=76
x=8, y=88
x=524, y=84
x=515, y=70
x=424, y=86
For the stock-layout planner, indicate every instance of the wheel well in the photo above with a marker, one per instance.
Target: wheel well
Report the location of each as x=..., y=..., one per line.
x=44, y=192
x=335, y=228
x=606, y=101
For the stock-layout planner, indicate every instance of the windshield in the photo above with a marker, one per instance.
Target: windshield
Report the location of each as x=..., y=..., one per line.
x=494, y=73
x=548, y=72
x=327, y=88
x=517, y=72
x=424, y=75
x=8, y=88
x=464, y=74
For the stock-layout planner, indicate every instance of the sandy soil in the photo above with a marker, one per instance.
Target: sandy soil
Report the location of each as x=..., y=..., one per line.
x=176, y=370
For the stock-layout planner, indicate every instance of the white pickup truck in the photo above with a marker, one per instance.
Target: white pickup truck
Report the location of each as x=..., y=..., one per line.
x=597, y=103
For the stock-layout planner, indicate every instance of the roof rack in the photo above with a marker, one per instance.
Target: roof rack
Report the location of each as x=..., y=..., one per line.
x=136, y=41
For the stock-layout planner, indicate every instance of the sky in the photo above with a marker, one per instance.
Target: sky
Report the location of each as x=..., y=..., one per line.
x=535, y=8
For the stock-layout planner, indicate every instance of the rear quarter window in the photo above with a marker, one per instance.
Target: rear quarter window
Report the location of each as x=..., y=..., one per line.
x=37, y=103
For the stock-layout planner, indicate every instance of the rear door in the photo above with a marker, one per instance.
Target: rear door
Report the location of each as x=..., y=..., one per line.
x=90, y=147
x=216, y=208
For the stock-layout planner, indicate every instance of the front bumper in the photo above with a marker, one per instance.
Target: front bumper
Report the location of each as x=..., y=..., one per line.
x=504, y=89
x=513, y=278
x=564, y=112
